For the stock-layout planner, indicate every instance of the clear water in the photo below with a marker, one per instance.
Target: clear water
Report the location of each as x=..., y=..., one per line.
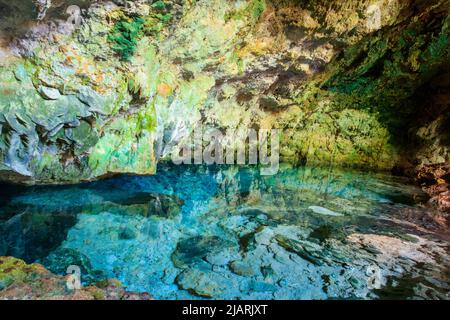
x=194, y=232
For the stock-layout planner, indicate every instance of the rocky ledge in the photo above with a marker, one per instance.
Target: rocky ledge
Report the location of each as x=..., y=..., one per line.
x=435, y=180
x=22, y=281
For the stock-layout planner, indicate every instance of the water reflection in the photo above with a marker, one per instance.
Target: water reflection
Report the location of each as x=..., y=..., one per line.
x=227, y=232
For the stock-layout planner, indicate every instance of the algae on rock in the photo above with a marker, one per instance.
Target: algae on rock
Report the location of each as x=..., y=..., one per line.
x=133, y=82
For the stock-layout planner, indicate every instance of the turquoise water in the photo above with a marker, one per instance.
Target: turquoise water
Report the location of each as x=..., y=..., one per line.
x=196, y=232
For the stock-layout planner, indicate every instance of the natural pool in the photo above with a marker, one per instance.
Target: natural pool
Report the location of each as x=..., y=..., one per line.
x=195, y=232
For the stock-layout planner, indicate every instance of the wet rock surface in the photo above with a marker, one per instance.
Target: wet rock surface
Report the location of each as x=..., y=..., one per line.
x=19, y=280
x=161, y=205
x=61, y=259
x=194, y=250
x=79, y=103
x=33, y=235
x=31, y=227
x=435, y=180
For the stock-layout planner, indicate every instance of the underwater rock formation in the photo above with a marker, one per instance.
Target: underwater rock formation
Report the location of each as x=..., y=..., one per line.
x=32, y=228
x=114, y=88
x=33, y=235
x=228, y=232
x=19, y=280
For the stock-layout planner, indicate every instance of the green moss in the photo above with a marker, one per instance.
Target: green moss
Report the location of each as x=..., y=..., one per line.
x=159, y=5
x=13, y=270
x=437, y=49
x=98, y=295
x=345, y=137
x=381, y=74
x=124, y=36
x=164, y=18
x=257, y=7
x=146, y=120
x=254, y=10
x=126, y=146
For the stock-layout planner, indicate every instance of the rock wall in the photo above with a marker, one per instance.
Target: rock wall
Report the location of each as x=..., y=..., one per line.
x=346, y=82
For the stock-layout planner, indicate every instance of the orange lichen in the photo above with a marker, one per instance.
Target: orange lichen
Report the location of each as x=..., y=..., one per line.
x=164, y=90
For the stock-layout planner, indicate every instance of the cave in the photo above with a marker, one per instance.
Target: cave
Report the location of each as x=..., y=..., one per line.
x=224, y=150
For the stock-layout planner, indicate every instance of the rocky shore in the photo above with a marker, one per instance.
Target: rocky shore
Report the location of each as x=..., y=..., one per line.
x=21, y=281
x=435, y=180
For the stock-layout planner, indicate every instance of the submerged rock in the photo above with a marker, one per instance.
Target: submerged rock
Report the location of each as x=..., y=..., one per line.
x=242, y=269
x=193, y=250
x=127, y=233
x=32, y=235
x=325, y=211
x=265, y=249
x=419, y=250
x=307, y=251
x=22, y=281
x=207, y=284
x=323, y=233
x=59, y=260
x=160, y=205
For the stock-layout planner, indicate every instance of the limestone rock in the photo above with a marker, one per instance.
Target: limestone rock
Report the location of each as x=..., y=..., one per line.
x=314, y=70
x=19, y=280
x=193, y=250
x=325, y=211
x=49, y=93
x=435, y=180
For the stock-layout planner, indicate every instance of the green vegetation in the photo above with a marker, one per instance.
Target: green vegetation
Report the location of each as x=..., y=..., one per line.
x=257, y=8
x=159, y=5
x=254, y=10
x=128, y=30
x=124, y=36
